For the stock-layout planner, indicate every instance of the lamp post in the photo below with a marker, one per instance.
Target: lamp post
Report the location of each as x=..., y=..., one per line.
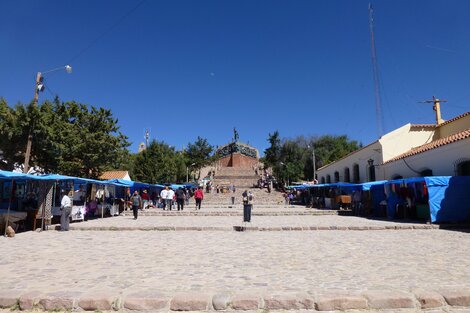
x=313, y=162
x=287, y=170
x=38, y=88
x=187, y=172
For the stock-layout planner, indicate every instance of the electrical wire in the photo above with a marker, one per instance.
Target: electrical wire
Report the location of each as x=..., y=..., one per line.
x=108, y=30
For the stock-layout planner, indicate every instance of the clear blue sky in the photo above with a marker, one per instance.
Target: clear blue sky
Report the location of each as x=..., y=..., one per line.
x=189, y=68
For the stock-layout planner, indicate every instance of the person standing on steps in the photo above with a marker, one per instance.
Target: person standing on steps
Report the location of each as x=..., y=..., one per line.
x=136, y=201
x=66, y=210
x=180, y=197
x=164, y=197
x=199, y=196
x=247, y=205
x=171, y=198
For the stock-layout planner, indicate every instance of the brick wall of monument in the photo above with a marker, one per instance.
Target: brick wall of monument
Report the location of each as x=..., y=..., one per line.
x=237, y=160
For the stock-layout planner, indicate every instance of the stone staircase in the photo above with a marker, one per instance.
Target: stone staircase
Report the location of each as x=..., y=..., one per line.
x=239, y=177
x=262, y=199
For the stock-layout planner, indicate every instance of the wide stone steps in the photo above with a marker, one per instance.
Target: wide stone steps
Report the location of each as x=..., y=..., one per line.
x=235, y=212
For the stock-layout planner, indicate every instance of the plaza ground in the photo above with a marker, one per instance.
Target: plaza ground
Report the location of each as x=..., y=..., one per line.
x=123, y=262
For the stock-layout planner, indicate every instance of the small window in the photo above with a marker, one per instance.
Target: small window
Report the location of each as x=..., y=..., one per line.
x=397, y=177
x=347, y=177
x=336, y=176
x=356, y=178
x=328, y=179
x=322, y=180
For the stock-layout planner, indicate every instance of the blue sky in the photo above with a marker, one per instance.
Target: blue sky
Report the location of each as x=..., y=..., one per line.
x=189, y=68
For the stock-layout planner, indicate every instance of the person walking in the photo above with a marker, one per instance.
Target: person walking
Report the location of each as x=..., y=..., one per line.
x=136, y=201
x=247, y=205
x=180, y=197
x=66, y=210
x=199, y=196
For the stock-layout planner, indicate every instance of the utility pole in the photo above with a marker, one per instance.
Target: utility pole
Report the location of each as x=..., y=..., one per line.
x=38, y=88
x=314, y=165
x=437, y=108
x=313, y=162
x=29, y=143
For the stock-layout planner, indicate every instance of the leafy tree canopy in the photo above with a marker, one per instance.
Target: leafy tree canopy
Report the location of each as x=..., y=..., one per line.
x=159, y=163
x=291, y=159
x=68, y=137
x=199, y=153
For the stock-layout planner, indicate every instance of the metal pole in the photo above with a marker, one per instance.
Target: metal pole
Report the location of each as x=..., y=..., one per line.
x=187, y=174
x=29, y=143
x=9, y=206
x=314, y=165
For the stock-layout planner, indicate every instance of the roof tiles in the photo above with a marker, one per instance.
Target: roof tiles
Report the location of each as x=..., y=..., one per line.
x=433, y=145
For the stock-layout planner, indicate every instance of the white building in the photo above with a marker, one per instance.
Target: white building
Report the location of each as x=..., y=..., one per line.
x=412, y=150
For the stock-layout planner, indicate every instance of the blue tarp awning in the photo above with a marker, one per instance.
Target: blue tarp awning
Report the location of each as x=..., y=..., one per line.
x=12, y=175
x=449, y=198
x=368, y=185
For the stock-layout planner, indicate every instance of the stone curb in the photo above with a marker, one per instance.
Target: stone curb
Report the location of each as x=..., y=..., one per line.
x=194, y=301
x=253, y=228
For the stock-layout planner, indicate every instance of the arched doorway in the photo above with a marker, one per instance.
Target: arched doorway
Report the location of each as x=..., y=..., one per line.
x=328, y=179
x=356, y=177
x=463, y=168
x=426, y=172
x=322, y=180
x=336, y=176
x=347, y=177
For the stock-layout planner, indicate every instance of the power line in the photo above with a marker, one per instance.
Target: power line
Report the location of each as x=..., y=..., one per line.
x=375, y=71
x=112, y=27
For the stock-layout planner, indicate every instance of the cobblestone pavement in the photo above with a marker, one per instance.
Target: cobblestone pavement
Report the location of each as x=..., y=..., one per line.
x=122, y=262
x=229, y=221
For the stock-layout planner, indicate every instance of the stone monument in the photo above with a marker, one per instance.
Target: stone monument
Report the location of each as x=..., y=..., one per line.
x=236, y=164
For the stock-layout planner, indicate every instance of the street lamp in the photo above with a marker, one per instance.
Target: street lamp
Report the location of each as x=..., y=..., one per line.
x=313, y=162
x=38, y=88
x=187, y=172
x=287, y=170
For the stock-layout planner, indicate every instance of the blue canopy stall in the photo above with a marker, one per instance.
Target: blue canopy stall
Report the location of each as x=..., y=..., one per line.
x=449, y=198
x=5, y=215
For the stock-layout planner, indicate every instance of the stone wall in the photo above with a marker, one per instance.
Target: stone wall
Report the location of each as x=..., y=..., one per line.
x=237, y=160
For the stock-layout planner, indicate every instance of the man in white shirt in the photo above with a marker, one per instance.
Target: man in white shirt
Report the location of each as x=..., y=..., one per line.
x=66, y=210
x=164, y=196
x=171, y=195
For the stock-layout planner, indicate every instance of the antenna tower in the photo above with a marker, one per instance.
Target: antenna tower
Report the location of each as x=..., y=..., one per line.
x=375, y=70
x=147, y=137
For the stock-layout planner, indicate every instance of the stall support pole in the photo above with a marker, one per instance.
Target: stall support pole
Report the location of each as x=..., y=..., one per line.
x=102, y=205
x=9, y=206
x=43, y=213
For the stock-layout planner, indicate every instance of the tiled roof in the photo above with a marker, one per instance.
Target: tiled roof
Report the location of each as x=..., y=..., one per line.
x=433, y=145
x=423, y=125
x=114, y=175
x=455, y=118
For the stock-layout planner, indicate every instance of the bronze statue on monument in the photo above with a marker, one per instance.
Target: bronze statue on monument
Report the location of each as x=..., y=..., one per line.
x=235, y=135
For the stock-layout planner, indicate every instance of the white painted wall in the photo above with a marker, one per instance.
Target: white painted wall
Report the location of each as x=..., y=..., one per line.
x=360, y=157
x=404, y=139
x=440, y=160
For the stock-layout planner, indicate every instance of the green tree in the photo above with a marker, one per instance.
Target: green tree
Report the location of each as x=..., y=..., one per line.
x=68, y=137
x=158, y=163
x=291, y=159
x=273, y=153
x=199, y=153
x=332, y=148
